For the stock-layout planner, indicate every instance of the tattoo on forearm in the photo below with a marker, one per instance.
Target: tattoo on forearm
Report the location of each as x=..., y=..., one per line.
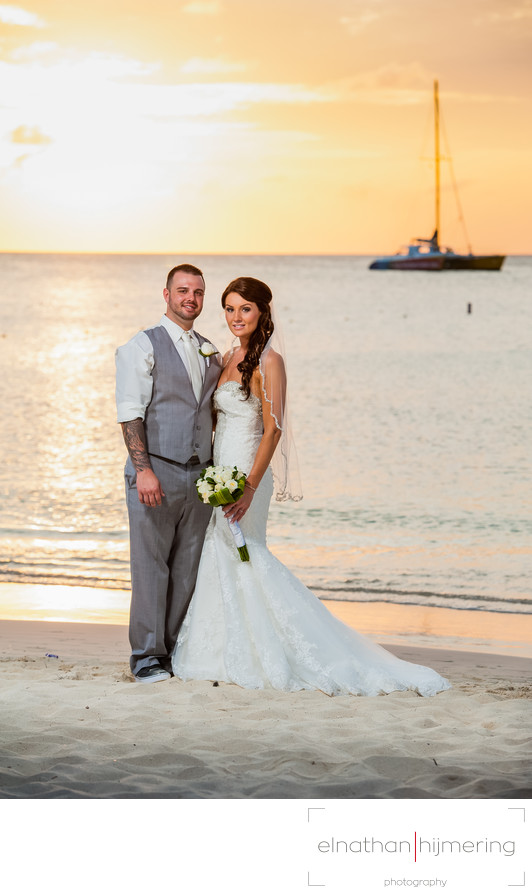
x=135, y=439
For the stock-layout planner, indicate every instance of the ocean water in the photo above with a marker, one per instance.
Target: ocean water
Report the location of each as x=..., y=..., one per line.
x=411, y=415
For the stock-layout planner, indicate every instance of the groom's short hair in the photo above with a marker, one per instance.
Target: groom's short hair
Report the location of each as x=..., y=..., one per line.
x=183, y=268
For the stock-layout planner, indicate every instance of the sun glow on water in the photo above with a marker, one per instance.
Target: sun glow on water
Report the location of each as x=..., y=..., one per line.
x=408, y=428
x=90, y=605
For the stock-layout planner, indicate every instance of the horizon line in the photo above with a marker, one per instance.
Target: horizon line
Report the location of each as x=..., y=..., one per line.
x=262, y=254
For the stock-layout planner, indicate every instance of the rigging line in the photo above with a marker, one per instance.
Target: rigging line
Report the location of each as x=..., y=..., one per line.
x=449, y=158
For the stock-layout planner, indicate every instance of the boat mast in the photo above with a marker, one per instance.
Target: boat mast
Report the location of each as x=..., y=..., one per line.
x=437, y=157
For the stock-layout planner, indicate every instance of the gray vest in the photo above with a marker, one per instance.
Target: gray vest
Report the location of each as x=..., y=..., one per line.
x=176, y=426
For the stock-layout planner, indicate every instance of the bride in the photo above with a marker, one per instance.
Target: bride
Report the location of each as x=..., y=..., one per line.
x=254, y=623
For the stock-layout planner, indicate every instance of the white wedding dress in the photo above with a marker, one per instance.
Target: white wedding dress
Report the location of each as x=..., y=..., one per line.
x=254, y=623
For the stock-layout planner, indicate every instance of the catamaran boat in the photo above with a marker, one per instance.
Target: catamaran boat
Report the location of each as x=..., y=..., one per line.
x=428, y=254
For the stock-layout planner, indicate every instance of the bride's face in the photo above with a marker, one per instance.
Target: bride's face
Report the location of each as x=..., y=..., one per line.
x=241, y=316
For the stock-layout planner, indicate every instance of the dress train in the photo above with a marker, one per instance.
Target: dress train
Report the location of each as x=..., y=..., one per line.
x=254, y=623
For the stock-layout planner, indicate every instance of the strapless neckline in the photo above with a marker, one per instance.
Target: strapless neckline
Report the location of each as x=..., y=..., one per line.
x=237, y=384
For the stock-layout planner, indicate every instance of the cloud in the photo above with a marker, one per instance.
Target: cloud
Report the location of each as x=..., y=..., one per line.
x=206, y=100
x=369, y=11
x=358, y=23
x=390, y=84
x=43, y=59
x=512, y=13
x=393, y=76
x=197, y=65
x=399, y=85
x=31, y=136
x=203, y=8
x=14, y=15
x=34, y=51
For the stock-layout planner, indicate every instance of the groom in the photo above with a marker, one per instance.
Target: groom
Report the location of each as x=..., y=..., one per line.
x=163, y=395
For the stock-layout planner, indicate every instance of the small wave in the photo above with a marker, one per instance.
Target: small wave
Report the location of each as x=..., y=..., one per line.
x=38, y=577
x=38, y=533
x=460, y=601
x=466, y=601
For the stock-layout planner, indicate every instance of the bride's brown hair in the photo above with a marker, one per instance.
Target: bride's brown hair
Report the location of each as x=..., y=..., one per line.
x=258, y=293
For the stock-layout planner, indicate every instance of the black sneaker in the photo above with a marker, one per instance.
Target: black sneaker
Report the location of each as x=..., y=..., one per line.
x=151, y=674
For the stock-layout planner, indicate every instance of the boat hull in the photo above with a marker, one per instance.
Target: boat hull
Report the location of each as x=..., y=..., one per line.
x=398, y=263
x=474, y=262
x=443, y=261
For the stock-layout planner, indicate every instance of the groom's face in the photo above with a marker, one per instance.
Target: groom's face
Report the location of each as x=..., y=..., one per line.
x=184, y=298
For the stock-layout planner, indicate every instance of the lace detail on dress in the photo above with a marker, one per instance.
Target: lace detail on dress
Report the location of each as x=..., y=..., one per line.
x=254, y=623
x=238, y=427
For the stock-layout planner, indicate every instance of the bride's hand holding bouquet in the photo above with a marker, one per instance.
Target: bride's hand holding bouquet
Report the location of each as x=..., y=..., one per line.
x=224, y=486
x=234, y=512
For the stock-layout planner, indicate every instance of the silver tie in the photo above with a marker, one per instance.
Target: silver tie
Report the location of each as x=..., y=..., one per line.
x=194, y=364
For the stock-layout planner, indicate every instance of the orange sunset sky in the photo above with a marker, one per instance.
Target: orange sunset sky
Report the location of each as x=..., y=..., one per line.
x=262, y=126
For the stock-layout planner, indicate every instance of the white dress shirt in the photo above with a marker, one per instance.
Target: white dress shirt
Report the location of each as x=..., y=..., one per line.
x=134, y=364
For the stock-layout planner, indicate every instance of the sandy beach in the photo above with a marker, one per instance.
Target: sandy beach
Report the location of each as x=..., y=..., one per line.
x=78, y=726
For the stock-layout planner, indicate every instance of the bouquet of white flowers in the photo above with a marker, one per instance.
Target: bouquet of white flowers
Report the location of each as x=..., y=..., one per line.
x=220, y=485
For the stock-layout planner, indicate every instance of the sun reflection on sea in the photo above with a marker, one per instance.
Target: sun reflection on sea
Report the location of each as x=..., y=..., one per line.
x=45, y=602
x=383, y=622
x=414, y=464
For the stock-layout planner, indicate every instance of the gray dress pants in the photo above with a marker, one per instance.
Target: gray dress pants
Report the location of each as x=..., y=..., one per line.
x=165, y=544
